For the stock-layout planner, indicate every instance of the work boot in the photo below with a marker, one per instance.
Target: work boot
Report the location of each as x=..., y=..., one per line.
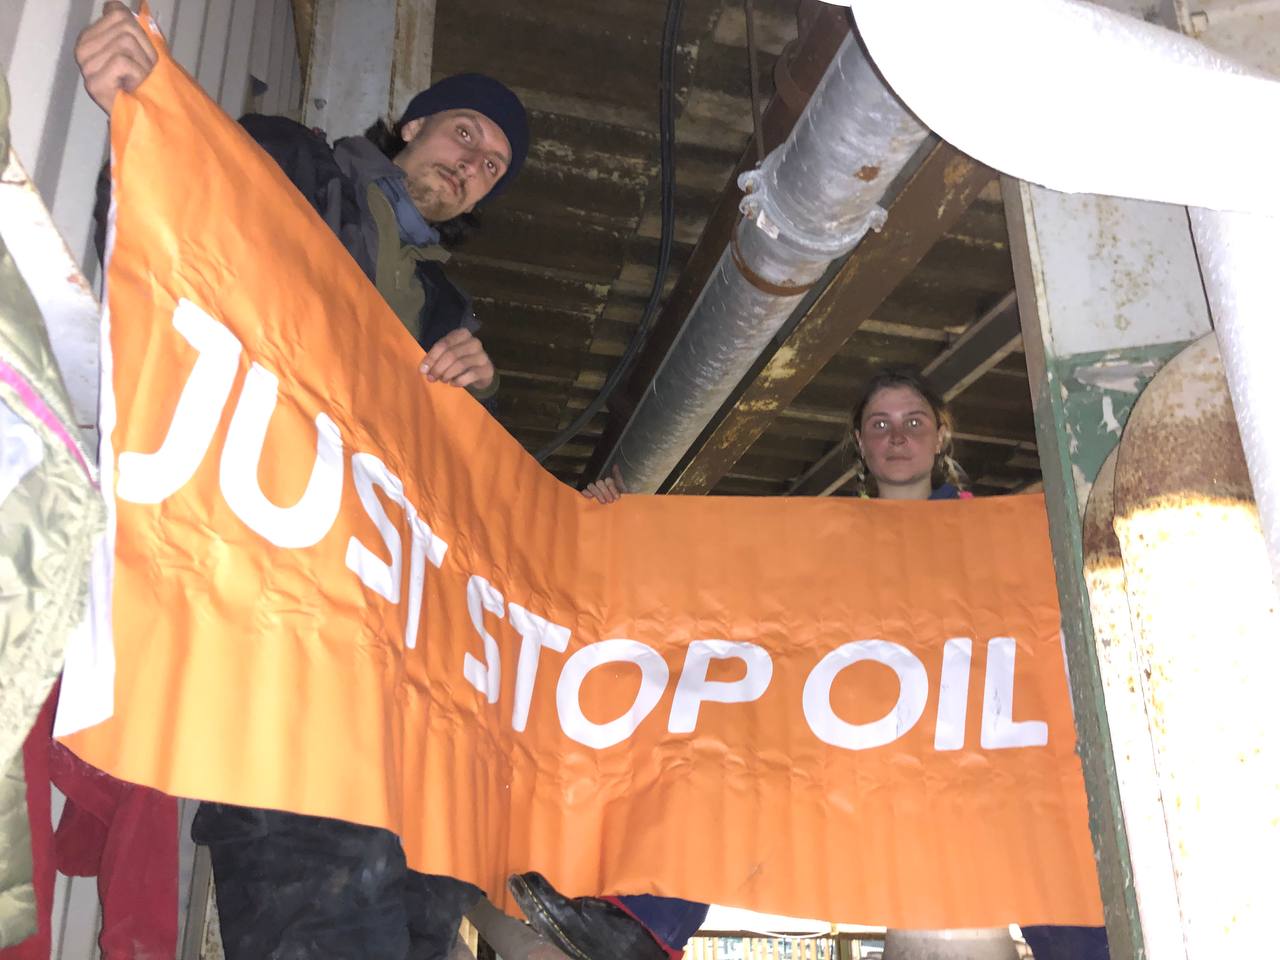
x=585, y=928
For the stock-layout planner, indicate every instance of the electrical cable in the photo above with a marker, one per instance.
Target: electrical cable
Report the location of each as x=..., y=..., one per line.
x=666, y=161
x=753, y=69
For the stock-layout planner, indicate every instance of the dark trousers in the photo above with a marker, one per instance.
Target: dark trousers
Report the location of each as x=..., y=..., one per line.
x=1067, y=943
x=672, y=921
x=292, y=887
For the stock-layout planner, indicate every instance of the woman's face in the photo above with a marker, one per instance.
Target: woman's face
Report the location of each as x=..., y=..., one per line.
x=899, y=437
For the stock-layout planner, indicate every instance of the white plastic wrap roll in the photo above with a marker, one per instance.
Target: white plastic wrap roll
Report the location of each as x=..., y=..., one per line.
x=1082, y=99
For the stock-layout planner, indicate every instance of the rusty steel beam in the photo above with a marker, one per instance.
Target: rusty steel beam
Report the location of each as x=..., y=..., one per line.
x=304, y=23
x=833, y=471
x=987, y=341
x=412, y=56
x=797, y=72
x=930, y=203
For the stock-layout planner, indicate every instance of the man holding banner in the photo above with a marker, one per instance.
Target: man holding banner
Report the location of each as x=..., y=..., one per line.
x=390, y=197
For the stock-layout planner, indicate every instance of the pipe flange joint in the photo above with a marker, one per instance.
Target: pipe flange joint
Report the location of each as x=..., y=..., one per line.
x=759, y=205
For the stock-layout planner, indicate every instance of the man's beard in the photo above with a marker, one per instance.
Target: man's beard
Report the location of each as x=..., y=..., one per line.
x=433, y=201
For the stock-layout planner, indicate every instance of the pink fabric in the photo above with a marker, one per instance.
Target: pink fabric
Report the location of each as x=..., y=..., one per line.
x=36, y=405
x=125, y=835
x=35, y=761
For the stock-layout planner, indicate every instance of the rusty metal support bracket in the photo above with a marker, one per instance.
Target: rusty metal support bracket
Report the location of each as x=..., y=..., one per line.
x=759, y=282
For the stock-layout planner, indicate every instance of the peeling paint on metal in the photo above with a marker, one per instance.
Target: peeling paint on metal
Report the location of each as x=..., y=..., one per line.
x=1117, y=373
x=1109, y=421
x=1204, y=613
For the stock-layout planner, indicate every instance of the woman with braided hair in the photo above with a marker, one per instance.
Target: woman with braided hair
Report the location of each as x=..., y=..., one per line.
x=902, y=434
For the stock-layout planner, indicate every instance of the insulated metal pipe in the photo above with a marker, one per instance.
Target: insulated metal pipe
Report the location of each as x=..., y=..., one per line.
x=981, y=944
x=1237, y=262
x=811, y=201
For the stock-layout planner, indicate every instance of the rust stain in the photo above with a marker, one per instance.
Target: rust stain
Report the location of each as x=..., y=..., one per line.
x=76, y=279
x=1099, y=542
x=956, y=172
x=1182, y=443
x=868, y=173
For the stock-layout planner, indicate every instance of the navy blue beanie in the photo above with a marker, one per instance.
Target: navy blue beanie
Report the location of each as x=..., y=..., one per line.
x=484, y=95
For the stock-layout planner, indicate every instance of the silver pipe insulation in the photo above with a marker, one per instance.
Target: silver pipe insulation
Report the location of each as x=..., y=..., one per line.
x=993, y=943
x=810, y=202
x=1237, y=263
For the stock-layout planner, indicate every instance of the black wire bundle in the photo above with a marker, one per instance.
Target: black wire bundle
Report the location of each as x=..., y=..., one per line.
x=667, y=165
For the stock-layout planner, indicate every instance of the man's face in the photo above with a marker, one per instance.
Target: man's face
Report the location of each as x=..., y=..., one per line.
x=451, y=161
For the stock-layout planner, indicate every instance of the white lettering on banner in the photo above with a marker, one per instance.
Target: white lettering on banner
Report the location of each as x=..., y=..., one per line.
x=306, y=522
x=999, y=730
x=380, y=577
x=694, y=689
x=154, y=477
x=485, y=677
x=953, y=694
x=913, y=681
x=426, y=546
x=535, y=633
x=654, y=676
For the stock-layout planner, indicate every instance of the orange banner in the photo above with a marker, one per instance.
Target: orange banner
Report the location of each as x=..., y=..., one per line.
x=343, y=591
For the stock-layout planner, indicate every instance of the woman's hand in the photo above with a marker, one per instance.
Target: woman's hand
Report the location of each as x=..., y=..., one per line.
x=114, y=54
x=607, y=489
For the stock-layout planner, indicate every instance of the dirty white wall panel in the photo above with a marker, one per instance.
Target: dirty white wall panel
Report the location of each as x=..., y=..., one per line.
x=59, y=133
x=84, y=154
x=263, y=22
x=233, y=93
x=77, y=919
x=285, y=82
x=213, y=46
x=349, y=84
x=41, y=89
x=74, y=146
x=411, y=62
x=274, y=58
x=277, y=72
x=183, y=23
